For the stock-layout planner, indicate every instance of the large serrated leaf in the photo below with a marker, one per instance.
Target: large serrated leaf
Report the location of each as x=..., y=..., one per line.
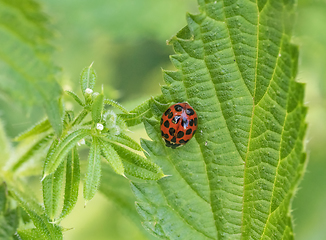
x=236, y=178
x=27, y=70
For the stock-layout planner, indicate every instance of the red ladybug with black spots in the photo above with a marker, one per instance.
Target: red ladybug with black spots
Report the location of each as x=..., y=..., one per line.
x=178, y=124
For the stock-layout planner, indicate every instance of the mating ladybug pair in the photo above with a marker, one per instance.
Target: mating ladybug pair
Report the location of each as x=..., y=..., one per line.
x=178, y=124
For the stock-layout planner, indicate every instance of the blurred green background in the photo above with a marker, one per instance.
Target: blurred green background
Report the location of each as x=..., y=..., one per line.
x=128, y=34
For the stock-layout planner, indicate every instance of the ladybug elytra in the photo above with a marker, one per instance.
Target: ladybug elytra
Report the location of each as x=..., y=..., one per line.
x=178, y=124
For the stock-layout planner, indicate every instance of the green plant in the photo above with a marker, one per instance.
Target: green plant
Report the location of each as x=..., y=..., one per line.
x=235, y=179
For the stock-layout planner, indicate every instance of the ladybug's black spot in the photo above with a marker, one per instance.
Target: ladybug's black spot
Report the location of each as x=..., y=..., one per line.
x=176, y=119
x=182, y=141
x=162, y=133
x=171, y=145
x=189, y=131
x=166, y=124
x=180, y=134
x=172, y=131
x=174, y=146
x=170, y=115
x=173, y=139
x=190, y=112
x=167, y=112
x=191, y=122
x=178, y=108
x=161, y=121
x=194, y=132
x=195, y=121
x=165, y=136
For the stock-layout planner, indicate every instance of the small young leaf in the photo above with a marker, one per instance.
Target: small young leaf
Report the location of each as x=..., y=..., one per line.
x=52, y=186
x=124, y=140
x=87, y=78
x=136, y=115
x=112, y=157
x=93, y=174
x=80, y=117
x=42, y=143
x=138, y=166
x=74, y=96
x=97, y=108
x=115, y=104
x=61, y=151
x=29, y=234
x=72, y=183
x=40, y=127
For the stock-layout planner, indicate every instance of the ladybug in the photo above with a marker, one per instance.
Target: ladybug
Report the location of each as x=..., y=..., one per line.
x=178, y=124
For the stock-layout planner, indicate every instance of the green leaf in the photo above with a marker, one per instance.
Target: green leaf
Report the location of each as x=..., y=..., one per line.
x=93, y=175
x=52, y=186
x=81, y=116
x=4, y=146
x=64, y=146
x=55, y=112
x=47, y=230
x=236, y=178
x=138, y=114
x=72, y=183
x=29, y=234
x=3, y=197
x=117, y=189
x=26, y=66
x=112, y=157
x=97, y=108
x=138, y=166
x=9, y=224
x=124, y=140
x=115, y=104
x=38, y=128
x=74, y=96
x=35, y=148
x=87, y=78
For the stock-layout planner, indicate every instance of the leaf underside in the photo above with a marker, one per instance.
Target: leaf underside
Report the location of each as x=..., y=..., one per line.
x=235, y=179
